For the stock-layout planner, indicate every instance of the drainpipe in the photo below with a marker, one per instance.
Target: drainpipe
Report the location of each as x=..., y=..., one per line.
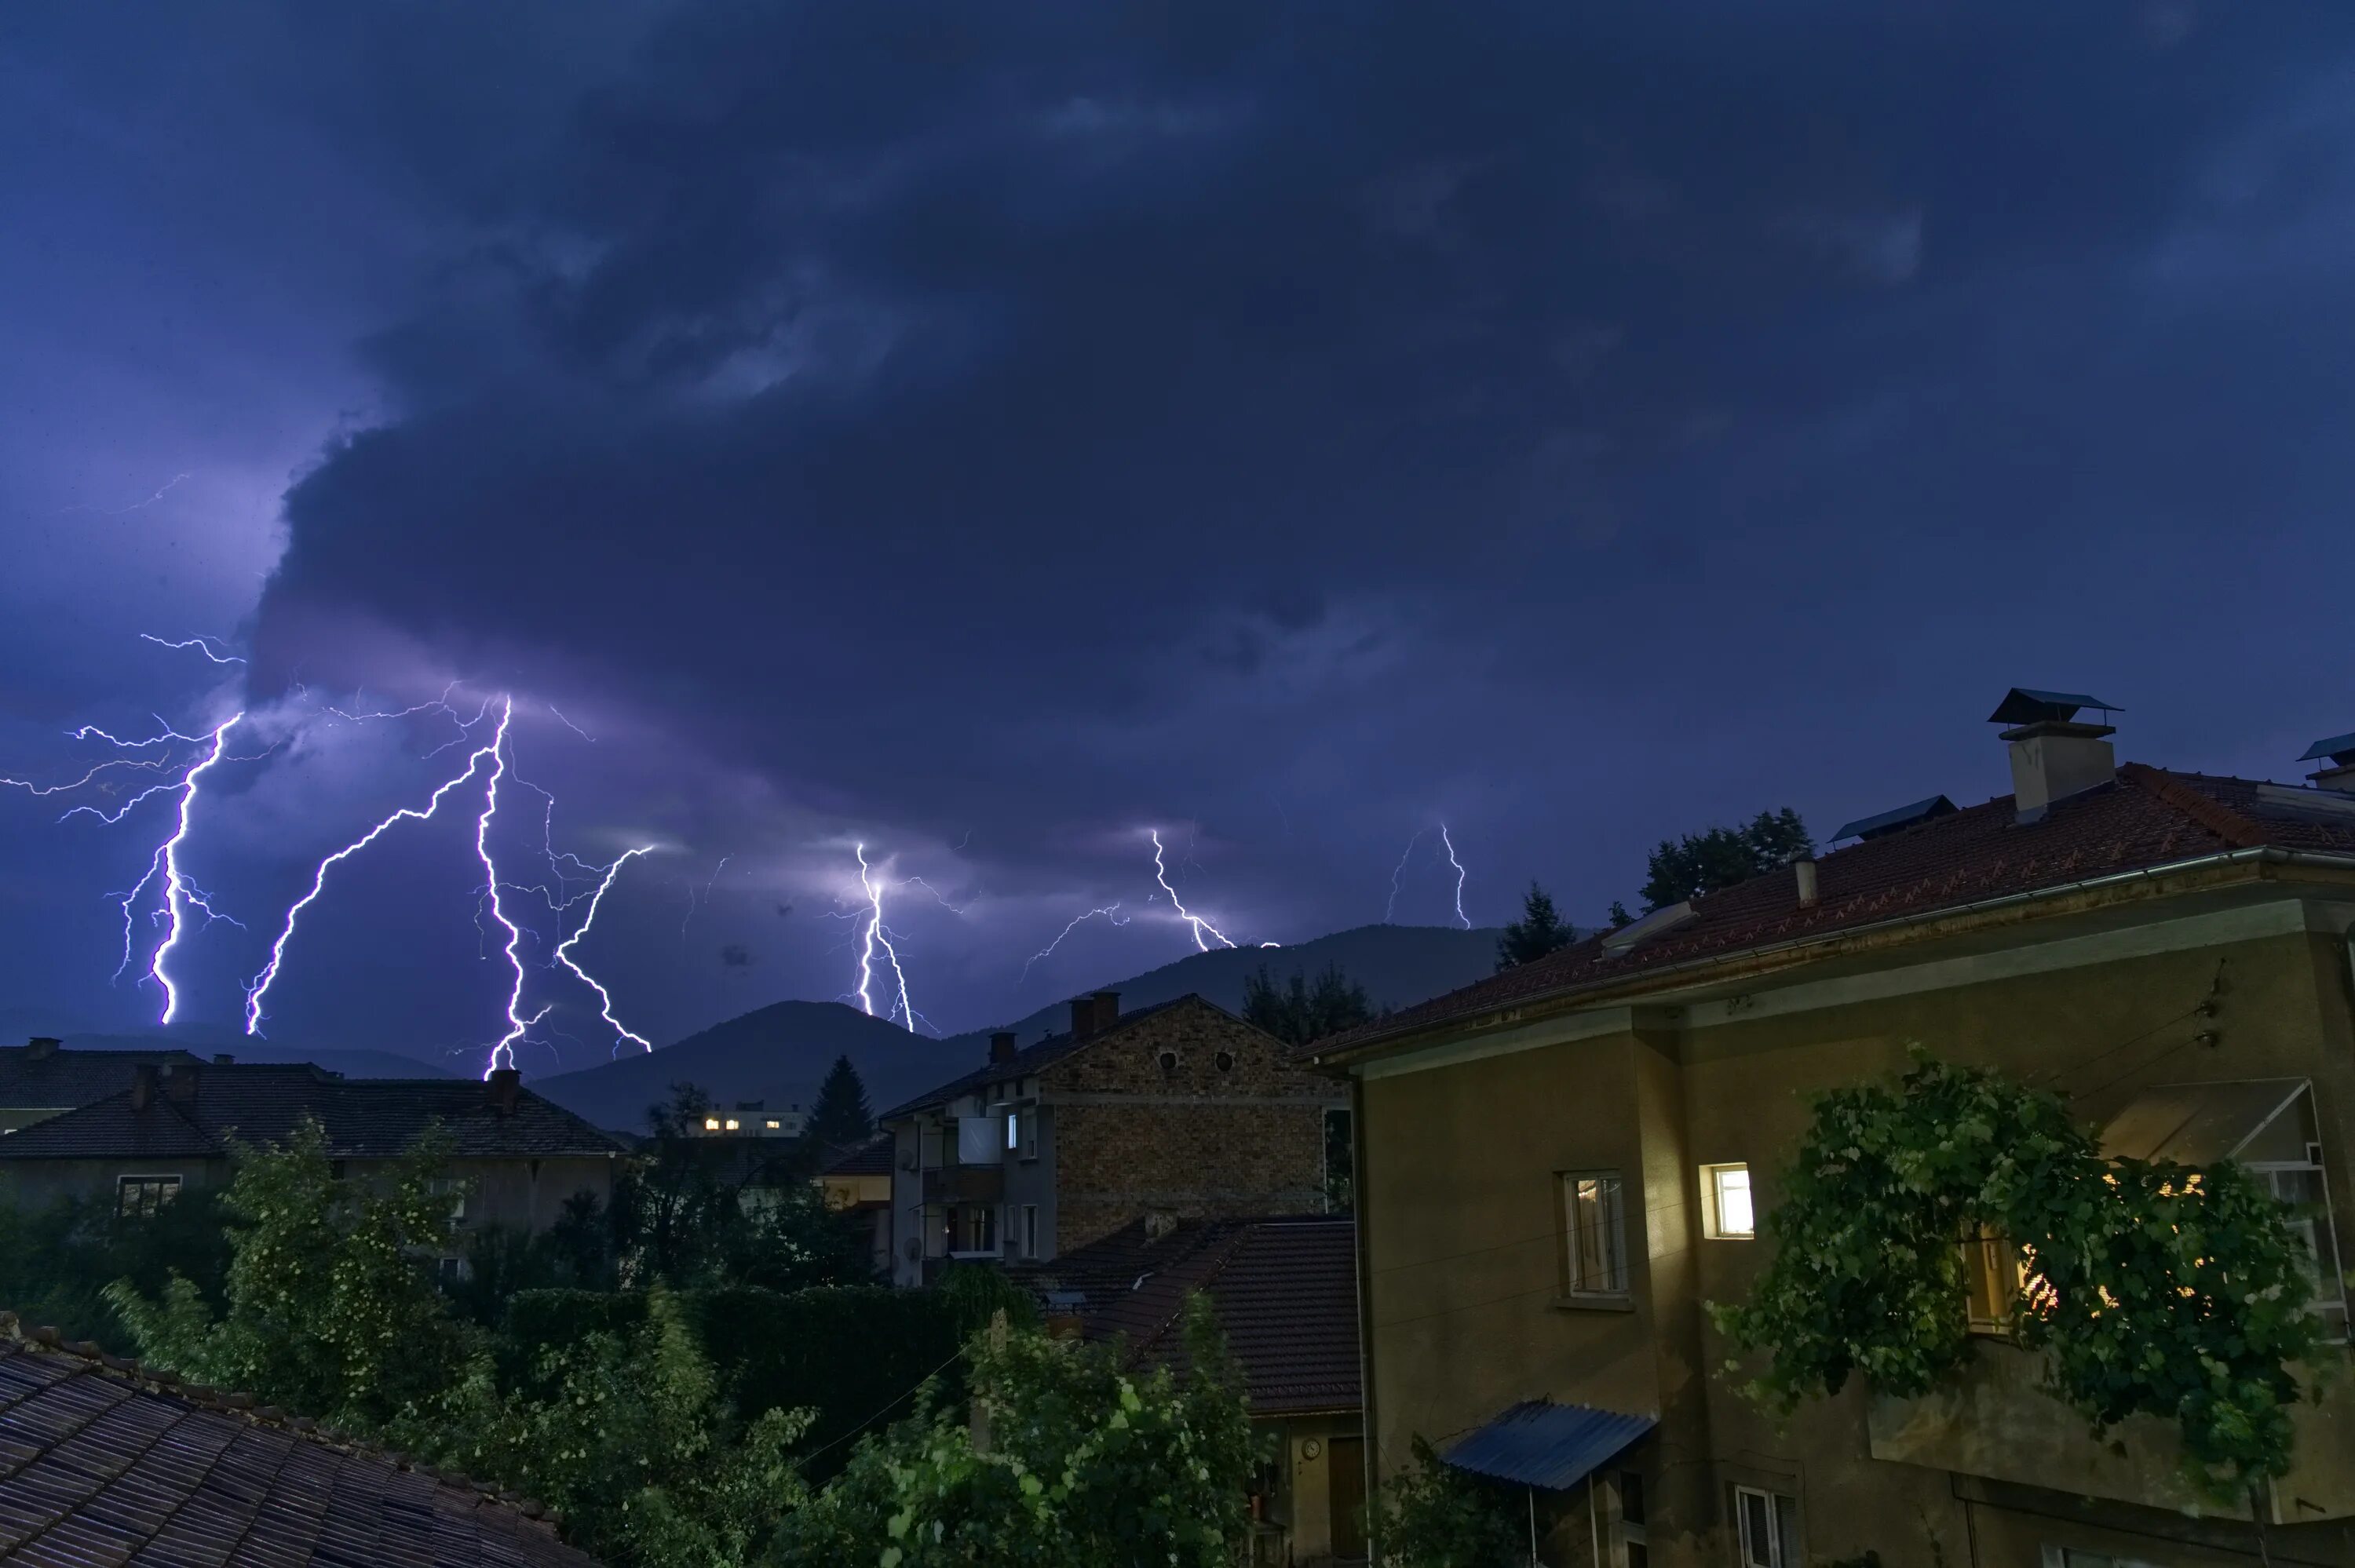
x=1532, y=1492
x=1593, y=1522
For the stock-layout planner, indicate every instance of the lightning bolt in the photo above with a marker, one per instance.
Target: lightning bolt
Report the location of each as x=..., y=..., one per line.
x=260, y=984
x=502, y=1049
x=1391, y=908
x=180, y=896
x=707, y=899
x=1459, y=876
x=1194, y=921
x=878, y=935
x=564, y=954
x=201, y=644
x=1107, y=912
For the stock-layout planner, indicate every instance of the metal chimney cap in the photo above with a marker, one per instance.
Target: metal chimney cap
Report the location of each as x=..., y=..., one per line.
x=2022, y=704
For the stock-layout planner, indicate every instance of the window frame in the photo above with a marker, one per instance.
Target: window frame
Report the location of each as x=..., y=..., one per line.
x=1617, y=1284
x=168, y=1187
x=1784, y=1547
x=1713, y=1201
x=2315, y=1226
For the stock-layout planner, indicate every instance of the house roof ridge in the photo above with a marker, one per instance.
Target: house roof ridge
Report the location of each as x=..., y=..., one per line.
x=1211, y=1255
x=2205, y=809
x=48, y=1339
x=1027, y=1060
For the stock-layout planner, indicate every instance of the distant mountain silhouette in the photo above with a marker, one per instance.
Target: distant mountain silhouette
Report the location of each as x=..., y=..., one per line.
x=779, y=1052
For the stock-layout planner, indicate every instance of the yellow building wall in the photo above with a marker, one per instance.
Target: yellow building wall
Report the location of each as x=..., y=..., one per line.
x=1462, y=1250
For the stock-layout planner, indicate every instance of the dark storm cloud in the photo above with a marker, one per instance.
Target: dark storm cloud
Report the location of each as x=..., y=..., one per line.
x=1067, y=416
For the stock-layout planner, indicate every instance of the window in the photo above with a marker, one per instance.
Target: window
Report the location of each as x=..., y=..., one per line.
x=1726, y=1214
x=1635, y=1546
x=1225, y=1060
x=734, y=1125
x=1996, y=1273
x=454, y=1189
x=1013, y=1130
x=451, y=1271
x=2078, y=1557
x=1029, y=1230
x=711, y=1124
x=1770, y=1528
x=1168, y=1060
x=2300, y=1189
x=1597, y=1246
x=143, y=1197
x=774, y=1124
x=974, y=1228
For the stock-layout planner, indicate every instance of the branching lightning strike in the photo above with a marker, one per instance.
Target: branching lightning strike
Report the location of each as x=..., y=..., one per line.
x=879, y=935
x=201, y=644
x=1107, y=912
x=1193, y=921
x=1391, y=908
x=564, y=955
x=1460, y=916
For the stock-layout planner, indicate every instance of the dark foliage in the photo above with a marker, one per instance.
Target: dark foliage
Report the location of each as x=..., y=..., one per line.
x=1696, y=864
x=841, y=1115
x=1538, y=931
x=1296, y=1012
x=56, y=1262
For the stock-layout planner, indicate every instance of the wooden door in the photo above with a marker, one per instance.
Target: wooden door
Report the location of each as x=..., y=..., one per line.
x=1344, y=1464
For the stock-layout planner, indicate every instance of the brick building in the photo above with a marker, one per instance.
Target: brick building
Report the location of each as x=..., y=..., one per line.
x=1180, y=1108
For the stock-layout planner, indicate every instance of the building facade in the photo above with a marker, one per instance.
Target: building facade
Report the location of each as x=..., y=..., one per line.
x=1181, y=1109
x=1559, y=1165
x=44, y=1077
x=515, y=1157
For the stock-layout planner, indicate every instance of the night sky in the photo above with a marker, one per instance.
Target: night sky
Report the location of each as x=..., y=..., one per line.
x=985, y=432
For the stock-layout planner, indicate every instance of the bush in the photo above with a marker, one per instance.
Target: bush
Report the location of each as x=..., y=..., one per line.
x=1431, y=1515
x=56, y=1262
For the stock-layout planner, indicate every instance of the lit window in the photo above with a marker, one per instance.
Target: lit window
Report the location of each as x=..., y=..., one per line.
x=734, y=1125
x=1726, y=1214
x=143, y=1197
x=774, y=1124
x=1013, y=1129
x=1596, y=1245
x=711, y=1124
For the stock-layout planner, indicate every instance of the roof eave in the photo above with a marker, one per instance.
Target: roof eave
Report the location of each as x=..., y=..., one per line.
x=1793, y=950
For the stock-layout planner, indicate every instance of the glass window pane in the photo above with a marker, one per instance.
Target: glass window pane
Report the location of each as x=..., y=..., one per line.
x=1757, y=1531
x=1733, y=1216
x=1631, y=1497
x=1786, y=1532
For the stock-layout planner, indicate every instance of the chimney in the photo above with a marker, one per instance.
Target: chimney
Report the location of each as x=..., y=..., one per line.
x=2338, y=751
x=1001, y=1048
x=2052, y=756
x=1107, y=1010
x=1083, y=1017
x=1802, y=871
x=142, y=1085
x=180, y=1083
x=503, y=1086
x=223, y=1059
x=41, y=1047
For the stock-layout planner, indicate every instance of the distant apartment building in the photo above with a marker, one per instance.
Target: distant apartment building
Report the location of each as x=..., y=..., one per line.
x=1181, y=1109
x=1560, y=1165
x=857, y=1181
x=751, y=1118
x=515, y=1157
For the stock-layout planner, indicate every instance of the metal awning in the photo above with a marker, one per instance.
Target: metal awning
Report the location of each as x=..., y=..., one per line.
x=2194, y=1124
x=1540, y=1443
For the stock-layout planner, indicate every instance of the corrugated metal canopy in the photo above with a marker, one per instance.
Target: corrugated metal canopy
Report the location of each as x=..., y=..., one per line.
x=1540, y=1443
x=2337, y=746
x=1897, y=817
x=2196, y=1123
x=2023, y=706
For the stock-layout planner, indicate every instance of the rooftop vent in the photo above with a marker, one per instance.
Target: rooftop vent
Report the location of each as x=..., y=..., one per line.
x=2052, y=756
x=2339, y=751
x=1627, y=938
x=1896, y=819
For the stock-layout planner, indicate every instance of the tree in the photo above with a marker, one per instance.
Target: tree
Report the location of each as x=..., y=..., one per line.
x=633, y=1445
x=1694, y=864
x=1070, y=1461
x=329, y=1307
x=841, y=1115
x=1431, y=1516
x=1297, y=1012
x=2149, y=1287
x=57, y=1261
x=1537, y=932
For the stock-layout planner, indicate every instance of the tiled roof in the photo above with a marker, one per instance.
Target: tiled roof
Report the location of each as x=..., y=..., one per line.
x=872, y=1158
x=101, y=1463
x=64, y=1078
x=1286, y=1291
x=364, y=1118
x=2147, y=818
x=1030, y=1059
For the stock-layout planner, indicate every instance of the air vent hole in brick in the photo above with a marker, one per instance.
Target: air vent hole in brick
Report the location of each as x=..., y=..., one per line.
x=1225, y=1060
x=1168, y=1060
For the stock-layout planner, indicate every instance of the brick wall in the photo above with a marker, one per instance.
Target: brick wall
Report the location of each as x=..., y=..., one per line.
x=1198, y=1136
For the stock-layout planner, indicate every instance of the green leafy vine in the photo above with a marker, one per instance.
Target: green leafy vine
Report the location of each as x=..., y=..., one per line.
x=2149, y=1287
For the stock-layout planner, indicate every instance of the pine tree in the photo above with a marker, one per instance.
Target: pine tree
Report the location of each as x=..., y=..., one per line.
x=1537, y=932
x=841, y=1115
x=1297, y=1012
